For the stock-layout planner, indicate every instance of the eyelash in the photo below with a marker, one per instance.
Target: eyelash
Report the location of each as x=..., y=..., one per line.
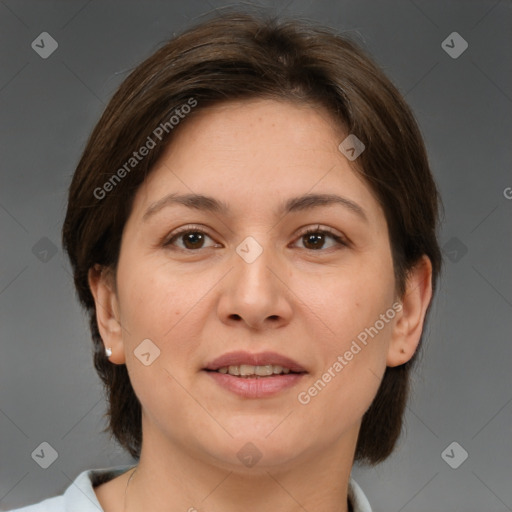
x=198, y=229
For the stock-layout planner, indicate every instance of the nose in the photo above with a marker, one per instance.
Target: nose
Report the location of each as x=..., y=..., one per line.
x=255, y=293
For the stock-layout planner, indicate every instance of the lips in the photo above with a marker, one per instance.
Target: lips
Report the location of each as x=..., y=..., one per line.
x=259, y=359
x=248, y=375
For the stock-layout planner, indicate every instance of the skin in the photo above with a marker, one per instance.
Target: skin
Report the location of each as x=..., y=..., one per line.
x=304, y=302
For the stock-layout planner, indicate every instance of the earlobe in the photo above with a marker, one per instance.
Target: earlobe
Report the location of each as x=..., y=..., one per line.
x=409, y=322
x=107, y=312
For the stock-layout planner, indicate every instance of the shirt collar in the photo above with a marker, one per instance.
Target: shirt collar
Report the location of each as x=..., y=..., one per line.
x=80, y=495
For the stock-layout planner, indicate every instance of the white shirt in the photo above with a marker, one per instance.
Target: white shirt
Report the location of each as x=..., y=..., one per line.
x=80, y=495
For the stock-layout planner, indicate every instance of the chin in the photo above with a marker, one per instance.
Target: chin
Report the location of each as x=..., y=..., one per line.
x=255, y=450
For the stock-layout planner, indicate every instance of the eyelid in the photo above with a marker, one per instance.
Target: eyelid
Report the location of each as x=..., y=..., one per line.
x=339, y=238
x=318, y=227
x=166, y=241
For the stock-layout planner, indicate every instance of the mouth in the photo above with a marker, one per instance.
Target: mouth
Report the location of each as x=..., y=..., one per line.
x=255, y=375
x=262, y=364
x=247, y=371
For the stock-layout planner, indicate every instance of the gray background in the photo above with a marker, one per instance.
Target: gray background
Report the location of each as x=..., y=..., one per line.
x=463, y=390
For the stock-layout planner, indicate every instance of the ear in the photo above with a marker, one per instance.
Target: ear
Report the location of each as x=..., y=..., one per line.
x=101, y=283
x=410, y=318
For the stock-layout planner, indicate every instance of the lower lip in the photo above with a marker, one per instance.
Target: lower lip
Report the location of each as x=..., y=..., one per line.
x=252, y=387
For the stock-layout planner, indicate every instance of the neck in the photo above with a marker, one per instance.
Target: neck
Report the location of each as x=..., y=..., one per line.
x=173, y=480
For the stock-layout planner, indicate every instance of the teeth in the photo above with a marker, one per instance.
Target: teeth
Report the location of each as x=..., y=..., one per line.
x=234, y=370
x=264, y=371
x=247, y=370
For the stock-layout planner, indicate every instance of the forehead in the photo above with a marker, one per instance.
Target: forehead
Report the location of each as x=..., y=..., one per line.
x=251, y=153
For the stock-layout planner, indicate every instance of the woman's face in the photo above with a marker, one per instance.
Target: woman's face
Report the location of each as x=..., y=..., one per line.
x=216, y=259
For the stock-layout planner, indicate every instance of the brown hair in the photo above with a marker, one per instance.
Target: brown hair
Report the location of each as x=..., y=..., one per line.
x=241, y=56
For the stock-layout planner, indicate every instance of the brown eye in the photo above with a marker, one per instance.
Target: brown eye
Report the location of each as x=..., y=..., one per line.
x=193, y=240
x=316, y=239
x=189, y=239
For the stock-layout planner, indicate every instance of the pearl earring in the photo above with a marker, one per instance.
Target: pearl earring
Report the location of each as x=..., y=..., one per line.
x=108, y=351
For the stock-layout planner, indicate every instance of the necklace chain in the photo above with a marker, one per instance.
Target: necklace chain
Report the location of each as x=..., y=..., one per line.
x=135, y=469
x=126, y=489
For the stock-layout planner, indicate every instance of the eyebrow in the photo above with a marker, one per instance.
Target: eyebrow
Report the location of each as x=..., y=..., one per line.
x=295, y=204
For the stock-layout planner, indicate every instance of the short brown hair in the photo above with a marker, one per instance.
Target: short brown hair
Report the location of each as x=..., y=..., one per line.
x=240, y=56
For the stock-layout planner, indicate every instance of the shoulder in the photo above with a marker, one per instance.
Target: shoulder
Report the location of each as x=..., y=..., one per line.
x=80, y=495
x=50, y=505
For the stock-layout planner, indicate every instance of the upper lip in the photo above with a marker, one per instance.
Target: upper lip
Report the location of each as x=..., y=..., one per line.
x=258, y=359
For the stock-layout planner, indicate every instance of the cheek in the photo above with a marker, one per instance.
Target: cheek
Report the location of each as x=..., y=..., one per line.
x=349, y=299
x=164, y=307
x=346, y=309
x=351, y=367
x=154, y=299
x=161, y=306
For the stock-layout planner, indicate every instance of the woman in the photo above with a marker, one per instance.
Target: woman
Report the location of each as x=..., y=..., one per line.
x=252, y=230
